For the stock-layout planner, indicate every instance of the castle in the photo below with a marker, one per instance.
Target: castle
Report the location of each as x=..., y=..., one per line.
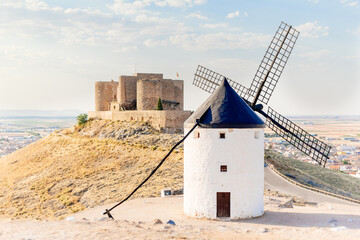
x=134, y=98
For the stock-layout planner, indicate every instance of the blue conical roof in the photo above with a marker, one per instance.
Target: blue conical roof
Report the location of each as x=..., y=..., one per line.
x=225, y=109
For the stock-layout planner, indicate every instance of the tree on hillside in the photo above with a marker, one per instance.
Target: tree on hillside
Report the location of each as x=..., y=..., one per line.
x=82, y=119
x=159, y=105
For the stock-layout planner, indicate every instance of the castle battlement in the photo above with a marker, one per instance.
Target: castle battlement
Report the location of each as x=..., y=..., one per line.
x=135, y=98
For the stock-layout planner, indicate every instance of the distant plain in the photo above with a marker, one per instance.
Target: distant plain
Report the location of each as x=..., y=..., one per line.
x=335, y=127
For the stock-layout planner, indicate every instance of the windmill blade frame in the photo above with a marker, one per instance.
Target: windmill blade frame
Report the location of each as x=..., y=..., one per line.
x=272, y=64
x=296, y=136
x=261, y=89
x=209, y=80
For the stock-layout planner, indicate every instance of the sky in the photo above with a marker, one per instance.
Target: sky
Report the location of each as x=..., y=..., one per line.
x=53, y=52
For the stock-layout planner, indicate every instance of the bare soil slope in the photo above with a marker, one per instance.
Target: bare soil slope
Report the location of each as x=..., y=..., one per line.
x=74, y=169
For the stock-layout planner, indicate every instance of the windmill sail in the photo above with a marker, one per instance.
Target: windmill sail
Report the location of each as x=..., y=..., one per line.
x=209, y=80
x=261, y=89
x=273, y=64
x=298, y=137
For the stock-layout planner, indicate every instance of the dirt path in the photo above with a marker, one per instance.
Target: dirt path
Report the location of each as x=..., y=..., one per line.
x=134, y=220
x=276, y=183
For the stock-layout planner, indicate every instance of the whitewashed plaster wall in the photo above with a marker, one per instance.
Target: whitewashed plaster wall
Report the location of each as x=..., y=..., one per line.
x=242, y=151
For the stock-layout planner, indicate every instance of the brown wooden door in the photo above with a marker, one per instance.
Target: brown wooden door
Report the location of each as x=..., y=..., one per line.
x=223, y=204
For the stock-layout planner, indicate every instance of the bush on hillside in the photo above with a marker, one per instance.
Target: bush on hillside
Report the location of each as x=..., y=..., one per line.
x=82, y=119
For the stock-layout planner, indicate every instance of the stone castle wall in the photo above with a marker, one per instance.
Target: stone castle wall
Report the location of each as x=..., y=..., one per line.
x=105, y=92
x=171, y=120
x=170, y=92
x=128, y=90
x=138, y=95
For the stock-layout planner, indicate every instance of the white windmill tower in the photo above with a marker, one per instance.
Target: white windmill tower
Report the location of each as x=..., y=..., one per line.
x=224, y=159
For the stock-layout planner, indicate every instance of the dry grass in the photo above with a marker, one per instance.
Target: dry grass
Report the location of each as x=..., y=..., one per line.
x=66, y=172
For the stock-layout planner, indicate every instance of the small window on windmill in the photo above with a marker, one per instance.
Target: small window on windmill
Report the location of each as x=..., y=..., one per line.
x=257, y=135
x=197, y=134
x=223, y=168
x=222, y=135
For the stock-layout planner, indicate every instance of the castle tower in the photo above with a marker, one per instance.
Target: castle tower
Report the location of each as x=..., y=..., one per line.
x=224, y=159
x=105, y=93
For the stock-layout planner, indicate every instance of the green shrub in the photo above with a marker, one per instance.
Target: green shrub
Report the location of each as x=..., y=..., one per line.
x=82, y=119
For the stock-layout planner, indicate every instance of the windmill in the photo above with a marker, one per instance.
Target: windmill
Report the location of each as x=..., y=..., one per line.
x=261, y=89
x=208, y=190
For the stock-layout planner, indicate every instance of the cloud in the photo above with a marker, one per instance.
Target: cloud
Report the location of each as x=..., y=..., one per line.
x=32, y=5
x=204, y=42
x=36, y=5
x=127, y=49
x=213, y=26
x=127, y=7
x=22, y=54
x=178, y=3
x=232, y=15
x=79, y=27
x=199, y=2
x=86, y=11
x=349, y=3
x=312, y=30
x=197, y=15
x=157, y=26
x=12, y=3
x=26, y=28
x=356, y=31
x=144, y=18
x=314, y=1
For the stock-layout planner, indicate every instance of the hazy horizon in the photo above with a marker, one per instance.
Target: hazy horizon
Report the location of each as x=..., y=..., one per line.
x=5, y=113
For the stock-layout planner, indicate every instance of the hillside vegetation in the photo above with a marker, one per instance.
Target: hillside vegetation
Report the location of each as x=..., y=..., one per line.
x=315, y=176
x=102, y=161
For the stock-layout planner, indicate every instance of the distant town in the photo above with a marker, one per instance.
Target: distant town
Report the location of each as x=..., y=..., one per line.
x=18, y=132
x=342, y=134
x=344, y=156
x=14, y=139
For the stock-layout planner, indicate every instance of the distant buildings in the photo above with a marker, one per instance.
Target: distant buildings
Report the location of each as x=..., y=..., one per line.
x=14, y=139
x=343, y=157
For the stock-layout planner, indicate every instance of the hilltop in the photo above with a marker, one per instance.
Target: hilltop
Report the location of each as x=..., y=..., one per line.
x=101, y=162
